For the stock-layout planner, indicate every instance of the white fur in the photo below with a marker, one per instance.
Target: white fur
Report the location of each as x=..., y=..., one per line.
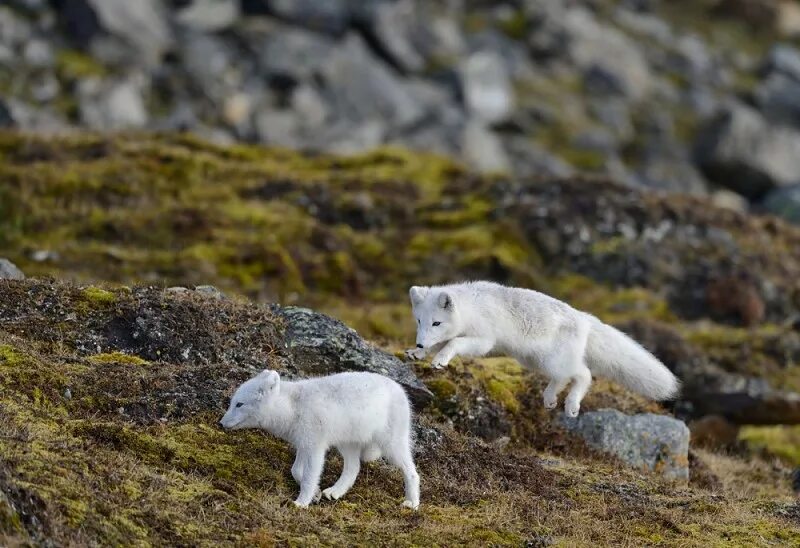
x=484, y=318
x=363, y=415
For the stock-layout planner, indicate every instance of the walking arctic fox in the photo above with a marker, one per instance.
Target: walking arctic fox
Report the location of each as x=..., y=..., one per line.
x=484, y=318
x=365, y=416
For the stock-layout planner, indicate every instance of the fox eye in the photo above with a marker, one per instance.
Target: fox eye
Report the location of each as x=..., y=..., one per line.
x=238, y=405
x=419, y=321
x=437, y=324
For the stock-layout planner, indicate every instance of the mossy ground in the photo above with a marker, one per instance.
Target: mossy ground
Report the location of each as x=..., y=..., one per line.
x=91, y=469
x=346, y=236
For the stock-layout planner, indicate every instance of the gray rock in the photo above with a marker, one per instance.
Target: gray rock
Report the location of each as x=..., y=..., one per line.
x=294, y=54
x=741, y=400
x=656, y=443
x=739, y=150
x=209, y=15
x=9, y=270
x=528, y=159
x=209, y=291
x=362, y=88
x=278, y=127
x=783, y=59
x=483, y=149
x=330, y=16
x=778, y=98
x=141, y=24
x=321, y=345
x=397, y=27
x=114, y=106
x=605, y=51
x=486, y=87
x=784, y=202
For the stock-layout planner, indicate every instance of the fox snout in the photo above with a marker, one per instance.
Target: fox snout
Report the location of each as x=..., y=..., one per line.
x=420, y=346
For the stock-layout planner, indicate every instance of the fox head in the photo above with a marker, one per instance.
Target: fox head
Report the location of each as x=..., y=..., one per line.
x=436, y=315
x=250, y=400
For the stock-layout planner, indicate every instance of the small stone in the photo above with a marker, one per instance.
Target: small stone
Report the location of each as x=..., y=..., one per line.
x=9, y=271
x=210, y=291
x=67, y=394
x=486, y=86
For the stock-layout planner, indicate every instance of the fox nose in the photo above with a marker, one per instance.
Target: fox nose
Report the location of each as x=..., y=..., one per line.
x=420, y=346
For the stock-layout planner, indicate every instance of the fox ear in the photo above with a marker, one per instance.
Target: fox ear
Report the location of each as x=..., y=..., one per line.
x=445, y=301
x=270, y=381
x=417, y=294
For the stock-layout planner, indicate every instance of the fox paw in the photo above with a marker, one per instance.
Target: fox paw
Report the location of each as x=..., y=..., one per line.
x=318, y=495
x=415, y=353
x=408, y=504
x=332, y=494
x=300, y=504
x=440, y=362
x=550, y=403
x=571, y=409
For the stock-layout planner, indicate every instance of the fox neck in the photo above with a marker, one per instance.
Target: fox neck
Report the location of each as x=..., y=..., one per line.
x=278, y=417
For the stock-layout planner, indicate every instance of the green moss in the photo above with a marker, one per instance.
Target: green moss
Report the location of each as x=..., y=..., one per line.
x=118, y=357
x=503, y=380
x=95, y=296
x=74, y=65
x=443, y=389
x=9, y=356
x=515, y=25
x=783, y=441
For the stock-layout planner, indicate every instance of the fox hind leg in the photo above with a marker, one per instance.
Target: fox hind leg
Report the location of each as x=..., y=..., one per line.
x=554, y=388
x=582, y=380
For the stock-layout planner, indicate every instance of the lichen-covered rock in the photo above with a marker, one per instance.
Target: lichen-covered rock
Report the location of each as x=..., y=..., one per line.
x=321, y=345
x=652, y=442
x=9, y=270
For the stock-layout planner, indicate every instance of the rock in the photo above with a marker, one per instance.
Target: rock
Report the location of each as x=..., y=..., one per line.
x=783, y=59
x=294, y=55
x=141, y=24
x=278, y=127
x=656, y=443
x=330, y=16
x=6, y=120
x=778, y=98
x=362, y=88
x=209, y=291
x=486, y=87
x=396, y=28
x=528, y=159
x=739, y=150
x=671, y=172
x=9, y=270
x=606, y=55
x=321, y=345
x=483, y=149
x=741, y=400
x=784, y=202
x=209, y=15
x=729, y=200
x=112, y=107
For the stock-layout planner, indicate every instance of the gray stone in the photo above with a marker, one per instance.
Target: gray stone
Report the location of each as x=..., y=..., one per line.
x=114, y=106
x=655, y=443
x=9, y=270
x=483, y=150
x=486, y=87
x=528, y=159
x=141, y=24
x=362, y=88
x=397, y=27
x=783, y=59
x=331, y=16
x=784, y=202
x=739, y=150
x=321, y=345
x=604, y=50
x=778, y=98
x=278, y=127
x=209, y=291
x=209, y=15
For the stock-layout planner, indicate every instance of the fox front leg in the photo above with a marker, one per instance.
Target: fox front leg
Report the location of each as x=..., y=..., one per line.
x=421, y=353
x=473, y=347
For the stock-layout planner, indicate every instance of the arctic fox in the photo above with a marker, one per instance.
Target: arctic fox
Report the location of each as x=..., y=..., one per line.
x=481, y=318
x=363, y=415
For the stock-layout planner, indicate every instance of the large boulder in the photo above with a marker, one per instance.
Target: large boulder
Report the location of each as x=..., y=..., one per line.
x=739, y=150
x=656, y=443
x=320, y=345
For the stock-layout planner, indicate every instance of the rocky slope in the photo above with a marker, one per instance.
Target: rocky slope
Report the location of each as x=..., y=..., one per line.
x=109, y=401
x=94, y=380
x=697, y=97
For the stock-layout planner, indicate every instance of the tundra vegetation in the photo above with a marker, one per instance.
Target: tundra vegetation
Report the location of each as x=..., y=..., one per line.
x=111, y=389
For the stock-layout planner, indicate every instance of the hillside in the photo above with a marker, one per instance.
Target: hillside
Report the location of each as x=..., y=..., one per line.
x=110, y=390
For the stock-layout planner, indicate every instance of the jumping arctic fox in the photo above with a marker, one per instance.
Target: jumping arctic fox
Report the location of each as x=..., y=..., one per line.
x=484, y=318
x=363, y=415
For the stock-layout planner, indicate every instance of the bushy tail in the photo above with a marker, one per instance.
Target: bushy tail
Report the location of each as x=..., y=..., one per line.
x=611, y=353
